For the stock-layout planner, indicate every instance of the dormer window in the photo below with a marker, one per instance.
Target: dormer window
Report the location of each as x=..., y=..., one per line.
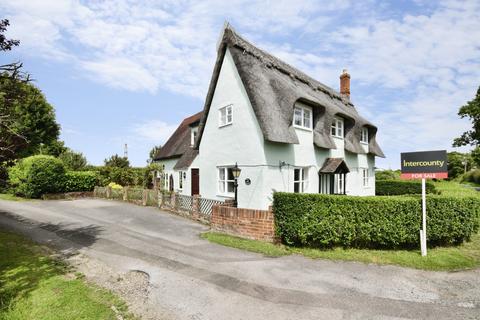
x=193, y=135
x=225, y=116
x=302, y=118
x=337, y=128
x=364, y=137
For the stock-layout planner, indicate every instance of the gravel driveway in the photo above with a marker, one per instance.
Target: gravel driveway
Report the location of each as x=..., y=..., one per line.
x=158, y=262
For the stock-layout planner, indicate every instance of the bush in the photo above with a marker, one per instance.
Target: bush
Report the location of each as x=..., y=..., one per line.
x=400, y=187
x=387, y=175
x=80, y=181
x=472, y=176
x=372, y=222
x=36, y=175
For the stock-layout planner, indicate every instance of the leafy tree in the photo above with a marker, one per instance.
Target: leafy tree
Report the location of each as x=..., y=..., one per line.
x=27, y=120
x=54, y=148
x=153, y=153
x=387, y=175
x=73, y=160
x=457, y=162
x=472, y=111
x=475, y=154
x=117, y=161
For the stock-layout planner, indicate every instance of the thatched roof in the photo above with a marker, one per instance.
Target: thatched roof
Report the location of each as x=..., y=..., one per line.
x=334, y=165
x=180, y=141
x=273, y=88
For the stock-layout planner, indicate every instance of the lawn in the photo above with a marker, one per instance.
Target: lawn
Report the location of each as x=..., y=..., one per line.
x=33, y=285
x=465, y=256
x=10, y=197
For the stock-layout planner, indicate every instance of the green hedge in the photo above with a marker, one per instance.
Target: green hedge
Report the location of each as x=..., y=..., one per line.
x=80, y=181
x=472, y=176
x=372, y=222
x=401, y=187
x=34, y=176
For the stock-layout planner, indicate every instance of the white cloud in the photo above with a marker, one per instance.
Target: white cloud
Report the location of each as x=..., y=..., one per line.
x=155, y=131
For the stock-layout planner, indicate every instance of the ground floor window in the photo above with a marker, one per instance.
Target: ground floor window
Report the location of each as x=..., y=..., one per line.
x=365, y=177
x=339, y=183
x=180, y=180
x=226, y=182
x=332, y=183
x=300, y=180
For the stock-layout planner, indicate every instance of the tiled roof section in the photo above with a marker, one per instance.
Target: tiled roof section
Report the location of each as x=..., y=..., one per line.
x=334, y=165
x=273, y=87
x=180, y=141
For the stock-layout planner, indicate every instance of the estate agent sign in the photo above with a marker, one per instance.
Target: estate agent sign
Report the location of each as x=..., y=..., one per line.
x=424, y=165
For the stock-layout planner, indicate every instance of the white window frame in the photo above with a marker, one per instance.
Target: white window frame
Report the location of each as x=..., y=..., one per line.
x=227, y=119
x=225, y=182
x=337, y=128
x=303, y=111
x=339, y=183
x=193, y=135
x=302, y=179
x=365, y=177
x=166, y=180
x=180, y=180
x=364, y=136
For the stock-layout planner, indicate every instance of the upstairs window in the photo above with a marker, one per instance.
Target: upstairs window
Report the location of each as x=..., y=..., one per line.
x=300, y=180
x=337, y=128
x=302, y=118
x=364, y=137
x=225, y=116
x=226, y=181
x=193, y=135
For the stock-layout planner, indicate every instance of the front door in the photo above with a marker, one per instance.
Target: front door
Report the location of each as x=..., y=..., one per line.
x=195, y=181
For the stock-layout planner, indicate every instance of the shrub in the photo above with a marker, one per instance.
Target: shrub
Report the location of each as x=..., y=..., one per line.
x=385, y=222
x=115, y=186
x=33, y=176
x=80, y=181
x=472, y=176
x=400, y=187
x=387, y=175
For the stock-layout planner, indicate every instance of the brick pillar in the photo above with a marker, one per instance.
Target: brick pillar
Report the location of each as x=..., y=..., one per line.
x=125, y=193
x=109, y=192
x=196, y=206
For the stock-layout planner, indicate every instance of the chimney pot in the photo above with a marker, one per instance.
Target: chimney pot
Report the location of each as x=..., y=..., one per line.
x=345, y=83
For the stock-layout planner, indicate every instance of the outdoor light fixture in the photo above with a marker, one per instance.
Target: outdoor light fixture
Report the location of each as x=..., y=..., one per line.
x=236, y=173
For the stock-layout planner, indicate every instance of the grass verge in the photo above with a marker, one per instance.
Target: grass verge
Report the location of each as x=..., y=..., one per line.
x=10, y=197
x=33, y=285
x=465, y=256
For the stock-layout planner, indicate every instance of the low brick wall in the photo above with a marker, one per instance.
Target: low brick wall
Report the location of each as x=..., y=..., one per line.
x=245, y=223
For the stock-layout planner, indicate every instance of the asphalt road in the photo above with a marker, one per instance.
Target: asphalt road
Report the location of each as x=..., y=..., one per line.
x=194, y=279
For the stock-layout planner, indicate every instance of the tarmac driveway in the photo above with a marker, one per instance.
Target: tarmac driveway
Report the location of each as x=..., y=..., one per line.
x=190, y=278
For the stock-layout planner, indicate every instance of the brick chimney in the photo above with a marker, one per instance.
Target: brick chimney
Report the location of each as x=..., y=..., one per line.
x=345, y=83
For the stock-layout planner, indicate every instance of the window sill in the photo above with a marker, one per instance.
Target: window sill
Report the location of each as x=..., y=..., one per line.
x=225, y=195
x=303, y=128
x=364, y=143
x=225, y=125
x=337, y=137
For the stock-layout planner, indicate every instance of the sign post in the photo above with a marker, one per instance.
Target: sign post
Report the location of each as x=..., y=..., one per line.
x=424, y=165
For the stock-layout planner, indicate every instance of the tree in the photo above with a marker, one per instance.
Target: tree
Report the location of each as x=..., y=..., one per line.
x=153, y=153
x=27, y=120
x=117, y=161
x=73, y=160
x=457, y=163
x=472, y=111
x=475, y=154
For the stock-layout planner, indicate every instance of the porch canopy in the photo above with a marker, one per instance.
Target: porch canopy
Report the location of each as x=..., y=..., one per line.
x=330, y=168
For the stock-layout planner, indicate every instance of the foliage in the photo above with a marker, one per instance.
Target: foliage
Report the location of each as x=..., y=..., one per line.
x=54, y=148
x=150, y=173
x=387, y=175
x=472, y=176
x=33, y=285
x=372, y=222
x=456, y=164
x=475, y=155
x=6, y=44
x=117, y=162
x=472, y=111
x=73, y=160
x=115, y=186
x=153, y=152
x=80, y=181
x=33, y=176
x=401, y=187
x=465, y=256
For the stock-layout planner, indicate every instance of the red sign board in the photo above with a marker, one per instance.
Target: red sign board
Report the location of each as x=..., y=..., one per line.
x=431, y=175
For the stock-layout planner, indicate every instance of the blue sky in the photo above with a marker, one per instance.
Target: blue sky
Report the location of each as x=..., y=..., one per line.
x=129, y=71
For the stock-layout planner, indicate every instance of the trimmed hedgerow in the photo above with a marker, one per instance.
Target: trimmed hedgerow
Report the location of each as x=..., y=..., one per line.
x=80, y=181
x=401, y=187
x=372, y=222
